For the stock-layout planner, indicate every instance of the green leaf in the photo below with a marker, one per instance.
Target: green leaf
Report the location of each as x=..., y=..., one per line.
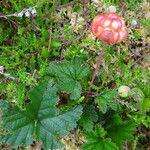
x=64, y=1
x=41, y=119
x=88, y=117
x=50, y=128
x=100, y=132
x=80, y=100
x=145, y=104
x=43, y=2
x=68, y=75
x=137, y=94
x=77, y=9
x=21, y=127
x=120, y=131
x=107, y=99
x=141, y=118
x=4, y=105
x=55, y=44
x=96, y=140
x=103, y=144
x=45, y=52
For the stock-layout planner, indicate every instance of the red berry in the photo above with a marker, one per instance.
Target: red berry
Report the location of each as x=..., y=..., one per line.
x=109, y=27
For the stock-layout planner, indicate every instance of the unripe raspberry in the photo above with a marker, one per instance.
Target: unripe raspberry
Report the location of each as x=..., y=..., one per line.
x=109, y=27
x=123, y=91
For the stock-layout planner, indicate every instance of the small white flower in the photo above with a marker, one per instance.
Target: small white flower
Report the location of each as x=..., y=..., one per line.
x=1, y=69
x=33, y=11
x=27, y=14
x=134, y=23
x=20, y=14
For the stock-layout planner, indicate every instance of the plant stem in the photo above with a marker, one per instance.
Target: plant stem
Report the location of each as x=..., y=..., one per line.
x=98, y=63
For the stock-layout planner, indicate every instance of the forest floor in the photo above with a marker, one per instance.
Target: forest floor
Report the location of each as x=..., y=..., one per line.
x=53, y=32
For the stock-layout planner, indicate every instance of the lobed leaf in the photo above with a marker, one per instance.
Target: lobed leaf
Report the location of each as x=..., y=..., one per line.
x=67, y=75
x=96, y=140
x=120, y=131
x=41, y=119
x=88, y=117
x=107, y=99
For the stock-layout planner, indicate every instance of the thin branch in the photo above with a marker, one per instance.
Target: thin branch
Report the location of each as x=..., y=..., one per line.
x=98, y=63
x=50, y=38
x=9, y=76
x=142, y=57
x=128, y=105
x=19, y=14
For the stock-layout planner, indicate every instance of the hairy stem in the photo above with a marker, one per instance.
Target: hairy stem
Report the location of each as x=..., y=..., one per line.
x=98, y=63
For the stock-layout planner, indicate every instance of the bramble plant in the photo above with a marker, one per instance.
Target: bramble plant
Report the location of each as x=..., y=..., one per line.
x=51, y=98
x=109, y=28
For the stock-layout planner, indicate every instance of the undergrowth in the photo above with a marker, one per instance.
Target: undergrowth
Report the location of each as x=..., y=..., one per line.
x=47, y=58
